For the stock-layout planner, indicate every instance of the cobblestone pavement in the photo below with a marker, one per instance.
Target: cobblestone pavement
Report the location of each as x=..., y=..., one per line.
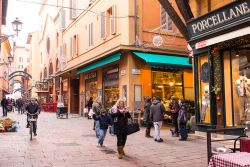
x=72, y=143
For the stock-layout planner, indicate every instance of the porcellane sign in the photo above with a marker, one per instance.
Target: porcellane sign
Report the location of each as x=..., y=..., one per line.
x=228, y=16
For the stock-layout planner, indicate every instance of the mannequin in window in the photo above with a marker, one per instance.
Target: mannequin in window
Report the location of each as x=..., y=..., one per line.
x=205, y=102
x=243, y=86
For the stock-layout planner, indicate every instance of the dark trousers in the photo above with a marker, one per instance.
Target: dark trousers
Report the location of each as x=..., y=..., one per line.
x=183, y=130
x=175, y=122
x=121, y=139
x=4, y=111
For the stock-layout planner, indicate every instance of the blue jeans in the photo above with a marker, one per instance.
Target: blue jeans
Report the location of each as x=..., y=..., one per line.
x=102, y=134
x=97, y=128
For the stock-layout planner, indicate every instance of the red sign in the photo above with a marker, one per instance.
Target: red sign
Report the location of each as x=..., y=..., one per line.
x=201, y=44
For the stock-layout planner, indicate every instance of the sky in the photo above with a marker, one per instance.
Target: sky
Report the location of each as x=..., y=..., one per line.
x=27, y=14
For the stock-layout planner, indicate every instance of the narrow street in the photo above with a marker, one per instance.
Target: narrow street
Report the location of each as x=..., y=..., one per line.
x=72, y=143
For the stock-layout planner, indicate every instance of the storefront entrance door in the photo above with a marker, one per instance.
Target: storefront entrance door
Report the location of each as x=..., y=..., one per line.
x=74, y=103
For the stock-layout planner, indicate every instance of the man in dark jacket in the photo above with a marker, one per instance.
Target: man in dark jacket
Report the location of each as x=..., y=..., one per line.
x=146, y=116
x=4, y=104
x=32, y=111
x=156, y=113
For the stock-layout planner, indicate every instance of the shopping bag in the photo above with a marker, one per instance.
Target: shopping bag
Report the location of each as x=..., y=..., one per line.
x=91, y=113
x=85, y=110
x=132, y=128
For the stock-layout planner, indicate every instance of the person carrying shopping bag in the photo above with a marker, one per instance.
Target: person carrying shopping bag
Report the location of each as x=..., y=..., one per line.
x=120, y=115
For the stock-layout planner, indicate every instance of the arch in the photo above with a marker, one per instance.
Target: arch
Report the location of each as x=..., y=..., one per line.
x=50, y=68
x=45, y=74
x=20, y=73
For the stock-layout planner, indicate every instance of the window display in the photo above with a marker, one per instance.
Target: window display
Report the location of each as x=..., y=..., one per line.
x=166, y=84
x=240, y=84
x=91, y=85
x=204, y=96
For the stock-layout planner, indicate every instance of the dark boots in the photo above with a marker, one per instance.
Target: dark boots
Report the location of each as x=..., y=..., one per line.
x=120, y=152
x=147, y=134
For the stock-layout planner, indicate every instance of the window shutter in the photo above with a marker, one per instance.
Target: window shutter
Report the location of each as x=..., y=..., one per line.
x=61, y=51
x=71, y=47
x=70, y=11
x=74, y=9
x=62, y=19
x=77, y=43
x=112, y=21
x=103, y=25
x=169, y=23
x=91, y=34
x=163, y=18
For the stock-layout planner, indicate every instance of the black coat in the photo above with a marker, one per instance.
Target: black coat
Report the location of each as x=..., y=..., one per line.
x=146, y=114
x=104, y=120
x=32, y=109
x=4, y=102
x=121, y=125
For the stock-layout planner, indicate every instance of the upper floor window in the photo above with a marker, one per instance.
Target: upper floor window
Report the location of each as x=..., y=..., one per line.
x=103, y=25
x=57, y=39
x=91, y=34
x=20, y=59
x=48, y=45
x=166, y=21
x=28, y=60
x=73, y=11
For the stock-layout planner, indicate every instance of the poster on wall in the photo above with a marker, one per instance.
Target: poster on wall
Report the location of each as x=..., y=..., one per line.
x=138, y=93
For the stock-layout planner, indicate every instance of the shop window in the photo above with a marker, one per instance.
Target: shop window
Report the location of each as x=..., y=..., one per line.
x=203, y=83
x=237, y=62
x=166, y=84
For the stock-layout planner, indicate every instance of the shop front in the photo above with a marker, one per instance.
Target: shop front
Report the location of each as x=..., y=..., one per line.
x=221, y=66
x=110, y=85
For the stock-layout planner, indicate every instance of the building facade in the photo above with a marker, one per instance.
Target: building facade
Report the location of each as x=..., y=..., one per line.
x=220, y=39
x=122, y=51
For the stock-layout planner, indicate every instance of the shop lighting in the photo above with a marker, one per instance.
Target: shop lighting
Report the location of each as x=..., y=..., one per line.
x=171, y=84
x=237, y=54
x=160, y=86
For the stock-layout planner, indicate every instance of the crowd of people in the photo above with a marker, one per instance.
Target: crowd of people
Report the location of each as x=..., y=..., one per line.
x=116, y=120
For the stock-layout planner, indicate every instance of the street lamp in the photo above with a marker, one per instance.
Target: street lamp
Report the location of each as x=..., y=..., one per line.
x=17, y=25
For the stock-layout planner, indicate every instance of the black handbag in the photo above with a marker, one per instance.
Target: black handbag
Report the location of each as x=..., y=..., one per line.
x=133, y=127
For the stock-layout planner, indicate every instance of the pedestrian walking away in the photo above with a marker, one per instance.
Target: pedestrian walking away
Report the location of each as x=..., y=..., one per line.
x=89, y=106
x=146, y=116
x=182, y=122
x=104, y=122
x=120, y=115
x=156, y=113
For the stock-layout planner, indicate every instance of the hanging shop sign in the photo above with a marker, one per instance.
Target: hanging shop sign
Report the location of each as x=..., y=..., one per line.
x=233, y=16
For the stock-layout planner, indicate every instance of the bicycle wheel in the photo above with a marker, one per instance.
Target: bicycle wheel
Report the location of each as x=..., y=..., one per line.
x=31, y=129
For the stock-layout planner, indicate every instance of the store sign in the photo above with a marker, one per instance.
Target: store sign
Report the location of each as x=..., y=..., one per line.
x=91, y=75
x=123, y=72
x=112, y=71
x=229, y=16
x=136, y=71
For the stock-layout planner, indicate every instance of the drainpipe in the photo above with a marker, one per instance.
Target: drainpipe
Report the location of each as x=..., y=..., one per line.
x=135, y=19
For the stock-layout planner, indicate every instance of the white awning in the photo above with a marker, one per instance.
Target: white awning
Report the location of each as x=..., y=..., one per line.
x=222, y=38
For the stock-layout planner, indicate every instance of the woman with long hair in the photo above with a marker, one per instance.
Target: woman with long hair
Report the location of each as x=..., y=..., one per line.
x=120, y=114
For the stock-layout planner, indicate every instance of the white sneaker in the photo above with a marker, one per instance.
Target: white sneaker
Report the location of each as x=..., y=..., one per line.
x=98, y=145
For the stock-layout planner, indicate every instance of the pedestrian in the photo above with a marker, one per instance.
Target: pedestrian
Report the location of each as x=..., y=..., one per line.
x=4, y=105
x=156, y=113
x=182, y=122
x=89, y=106
x=104, y=122
x=97, y=105
x=146, y=116
x=120, y=115
x=174, y=110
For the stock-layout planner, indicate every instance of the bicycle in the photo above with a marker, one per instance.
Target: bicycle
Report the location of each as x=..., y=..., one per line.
x=31, y=120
